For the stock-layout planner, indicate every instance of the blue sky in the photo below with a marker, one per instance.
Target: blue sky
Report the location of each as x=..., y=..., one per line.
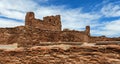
x=102, y=15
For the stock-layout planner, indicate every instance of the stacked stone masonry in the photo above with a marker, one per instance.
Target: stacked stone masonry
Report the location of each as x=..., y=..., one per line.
x=46, y=30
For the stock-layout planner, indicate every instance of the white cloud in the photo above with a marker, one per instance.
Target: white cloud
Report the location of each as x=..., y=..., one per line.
x=22, y=5
x=71, y=18
x=9, y=23
x=111, y=10
x=12, y=14
x=113, y=26
x=110, y=29
x=16, y=8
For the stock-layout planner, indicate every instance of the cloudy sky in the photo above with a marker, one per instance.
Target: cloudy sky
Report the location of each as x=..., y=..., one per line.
x=102, y=15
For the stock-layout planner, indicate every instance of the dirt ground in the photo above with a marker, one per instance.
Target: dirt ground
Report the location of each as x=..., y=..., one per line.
x=61, y=54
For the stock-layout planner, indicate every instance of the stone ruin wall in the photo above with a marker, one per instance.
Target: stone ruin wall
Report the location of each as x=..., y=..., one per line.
x=51, y=36
x=24, y=36
x=36, y=30
x=46, y=30
x=52, y=23
x=6, y=35
x=101, y=38
x=10, y=35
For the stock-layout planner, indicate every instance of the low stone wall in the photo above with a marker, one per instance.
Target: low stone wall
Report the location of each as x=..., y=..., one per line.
x=58, y=55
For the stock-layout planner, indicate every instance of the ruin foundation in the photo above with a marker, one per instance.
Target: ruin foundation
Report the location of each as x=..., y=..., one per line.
x=46, y=30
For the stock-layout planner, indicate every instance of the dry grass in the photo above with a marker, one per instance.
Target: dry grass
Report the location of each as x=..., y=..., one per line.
x=62, y=46
x=9, y=47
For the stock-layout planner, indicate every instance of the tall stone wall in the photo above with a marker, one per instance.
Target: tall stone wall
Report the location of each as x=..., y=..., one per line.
x=46, y=30
x=87, y=31
x=52, y=23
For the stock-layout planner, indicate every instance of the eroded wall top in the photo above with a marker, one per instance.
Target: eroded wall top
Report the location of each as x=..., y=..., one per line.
x=52, y=23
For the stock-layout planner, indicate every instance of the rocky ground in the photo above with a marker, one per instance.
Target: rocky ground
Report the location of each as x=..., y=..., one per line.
x=62, y=54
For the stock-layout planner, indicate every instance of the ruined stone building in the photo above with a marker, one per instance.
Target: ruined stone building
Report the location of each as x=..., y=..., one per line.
x=46, y=30
x=51, y=23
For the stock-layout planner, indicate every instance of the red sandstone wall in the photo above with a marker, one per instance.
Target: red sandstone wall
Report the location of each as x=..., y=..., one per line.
x=36, y=36
x=95, y=39
x=8, y=35
x=52, y=23
x=25, y=36
x=87, y=31
x=46, y=30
